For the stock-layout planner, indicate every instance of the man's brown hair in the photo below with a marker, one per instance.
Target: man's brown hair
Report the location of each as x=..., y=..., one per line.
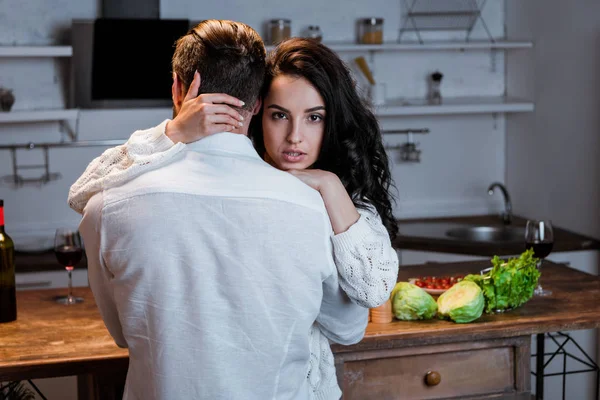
x=229, y=55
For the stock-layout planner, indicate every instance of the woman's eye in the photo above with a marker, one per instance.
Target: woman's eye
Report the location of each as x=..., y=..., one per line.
x=315, y=118
x=278, y=115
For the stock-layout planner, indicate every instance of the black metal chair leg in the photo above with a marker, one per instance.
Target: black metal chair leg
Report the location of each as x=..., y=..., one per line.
x=539, y=369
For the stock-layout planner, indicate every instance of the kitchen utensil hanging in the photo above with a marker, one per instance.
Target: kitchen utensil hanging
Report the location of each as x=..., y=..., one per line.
x=442, y=15
x=409, y=151
x=17, y=180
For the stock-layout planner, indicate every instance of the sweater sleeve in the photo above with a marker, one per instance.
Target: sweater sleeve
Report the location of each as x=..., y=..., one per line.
x=365, y=259
x=144, y=151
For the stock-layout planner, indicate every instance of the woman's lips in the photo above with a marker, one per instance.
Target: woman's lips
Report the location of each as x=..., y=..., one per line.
x=293, y=156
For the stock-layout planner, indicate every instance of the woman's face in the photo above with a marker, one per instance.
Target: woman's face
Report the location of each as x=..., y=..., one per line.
x=293, y=123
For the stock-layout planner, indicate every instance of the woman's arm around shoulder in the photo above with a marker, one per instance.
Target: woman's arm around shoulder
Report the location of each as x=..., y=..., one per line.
x=198, y=116
x=144, y=151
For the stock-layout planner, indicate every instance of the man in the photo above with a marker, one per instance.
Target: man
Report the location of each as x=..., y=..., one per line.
x=213, y=268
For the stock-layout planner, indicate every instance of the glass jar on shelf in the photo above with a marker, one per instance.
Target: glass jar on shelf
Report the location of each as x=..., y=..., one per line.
x=435, y=95
x=370, y=31
x=279, y=30
x=314, y=32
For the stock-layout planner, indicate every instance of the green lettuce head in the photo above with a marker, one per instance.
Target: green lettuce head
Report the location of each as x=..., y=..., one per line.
x=410, y=302
x=509, y=283
x=462, y=303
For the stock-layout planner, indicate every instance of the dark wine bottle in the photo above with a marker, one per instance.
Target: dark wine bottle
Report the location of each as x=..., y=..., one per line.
x=8, y=298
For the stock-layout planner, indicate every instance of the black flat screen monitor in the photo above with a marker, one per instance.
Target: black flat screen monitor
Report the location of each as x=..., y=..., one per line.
x=132, y=58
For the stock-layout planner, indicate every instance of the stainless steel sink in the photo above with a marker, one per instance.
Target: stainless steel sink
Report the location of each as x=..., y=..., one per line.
x=488, y=233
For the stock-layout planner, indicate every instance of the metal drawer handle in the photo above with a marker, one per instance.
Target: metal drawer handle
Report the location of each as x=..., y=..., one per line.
x=30, y=285
x=432, y=378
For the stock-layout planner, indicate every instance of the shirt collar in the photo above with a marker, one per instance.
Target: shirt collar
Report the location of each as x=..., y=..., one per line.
x=225, y=142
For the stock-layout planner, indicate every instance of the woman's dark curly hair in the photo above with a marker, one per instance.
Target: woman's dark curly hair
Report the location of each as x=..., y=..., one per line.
x=352, y=144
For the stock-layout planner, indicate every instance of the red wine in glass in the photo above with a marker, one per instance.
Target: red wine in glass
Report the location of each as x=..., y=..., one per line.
x=68, y=251
x=68, y=256
x=541, y=250
x=539, y=237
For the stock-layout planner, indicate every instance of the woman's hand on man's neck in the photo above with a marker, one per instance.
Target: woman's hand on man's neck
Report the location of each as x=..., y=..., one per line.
x=198, y=116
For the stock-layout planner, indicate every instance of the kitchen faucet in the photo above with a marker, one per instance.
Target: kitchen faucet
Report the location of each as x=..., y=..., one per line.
x=507, y=214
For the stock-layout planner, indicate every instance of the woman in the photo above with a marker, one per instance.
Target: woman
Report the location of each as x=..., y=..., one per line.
x=314, y=125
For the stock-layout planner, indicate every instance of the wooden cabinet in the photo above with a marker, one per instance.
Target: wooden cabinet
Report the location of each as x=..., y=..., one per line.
x=476, y=370
x=486, y=359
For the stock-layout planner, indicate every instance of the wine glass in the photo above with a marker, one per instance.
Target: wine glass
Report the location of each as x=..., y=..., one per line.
x=68, y=251
x=540, y=238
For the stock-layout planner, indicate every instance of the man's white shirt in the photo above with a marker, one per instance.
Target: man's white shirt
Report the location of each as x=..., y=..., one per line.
x=212, y=270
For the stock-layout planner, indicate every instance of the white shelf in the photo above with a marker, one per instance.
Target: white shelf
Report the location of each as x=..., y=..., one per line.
x=458, y=105
x=394, y=108
x=38, y=116
x=473, y=45
x=36, y=51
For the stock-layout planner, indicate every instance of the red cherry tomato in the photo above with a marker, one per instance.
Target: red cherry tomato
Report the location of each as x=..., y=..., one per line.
x=419, y=284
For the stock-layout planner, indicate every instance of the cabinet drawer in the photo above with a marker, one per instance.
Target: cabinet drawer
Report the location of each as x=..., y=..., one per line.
x=462, y=373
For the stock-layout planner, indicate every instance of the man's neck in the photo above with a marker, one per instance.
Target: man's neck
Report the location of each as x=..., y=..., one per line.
x=186, y=134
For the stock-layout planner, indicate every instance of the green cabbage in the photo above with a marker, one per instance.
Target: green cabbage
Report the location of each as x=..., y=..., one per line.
x=410, y=302
x=508, y=284
x=462, y=303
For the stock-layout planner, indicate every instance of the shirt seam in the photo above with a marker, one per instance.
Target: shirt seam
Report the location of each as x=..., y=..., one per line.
x=131, y=196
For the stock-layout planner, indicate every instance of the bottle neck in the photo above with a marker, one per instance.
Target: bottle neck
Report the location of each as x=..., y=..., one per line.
x=1, y=219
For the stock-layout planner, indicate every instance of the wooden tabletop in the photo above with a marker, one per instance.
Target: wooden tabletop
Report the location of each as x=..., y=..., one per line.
x=574, y=304
x=50, y=339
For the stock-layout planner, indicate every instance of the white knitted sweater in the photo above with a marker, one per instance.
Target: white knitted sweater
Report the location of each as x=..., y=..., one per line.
x=366, y=261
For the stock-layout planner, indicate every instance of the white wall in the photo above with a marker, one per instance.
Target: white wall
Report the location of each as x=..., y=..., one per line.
x=40, y=22
x=461, y=156
x=553, y=154
x=553, y=163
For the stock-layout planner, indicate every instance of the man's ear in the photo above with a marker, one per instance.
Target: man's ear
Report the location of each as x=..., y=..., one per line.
x=257, y=106
x=177, y=92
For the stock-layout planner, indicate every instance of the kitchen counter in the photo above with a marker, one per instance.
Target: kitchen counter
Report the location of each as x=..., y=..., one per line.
x=488, y=358
x=428, y=234
x=50, y=339
x=574, y=304
x=41, y=261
